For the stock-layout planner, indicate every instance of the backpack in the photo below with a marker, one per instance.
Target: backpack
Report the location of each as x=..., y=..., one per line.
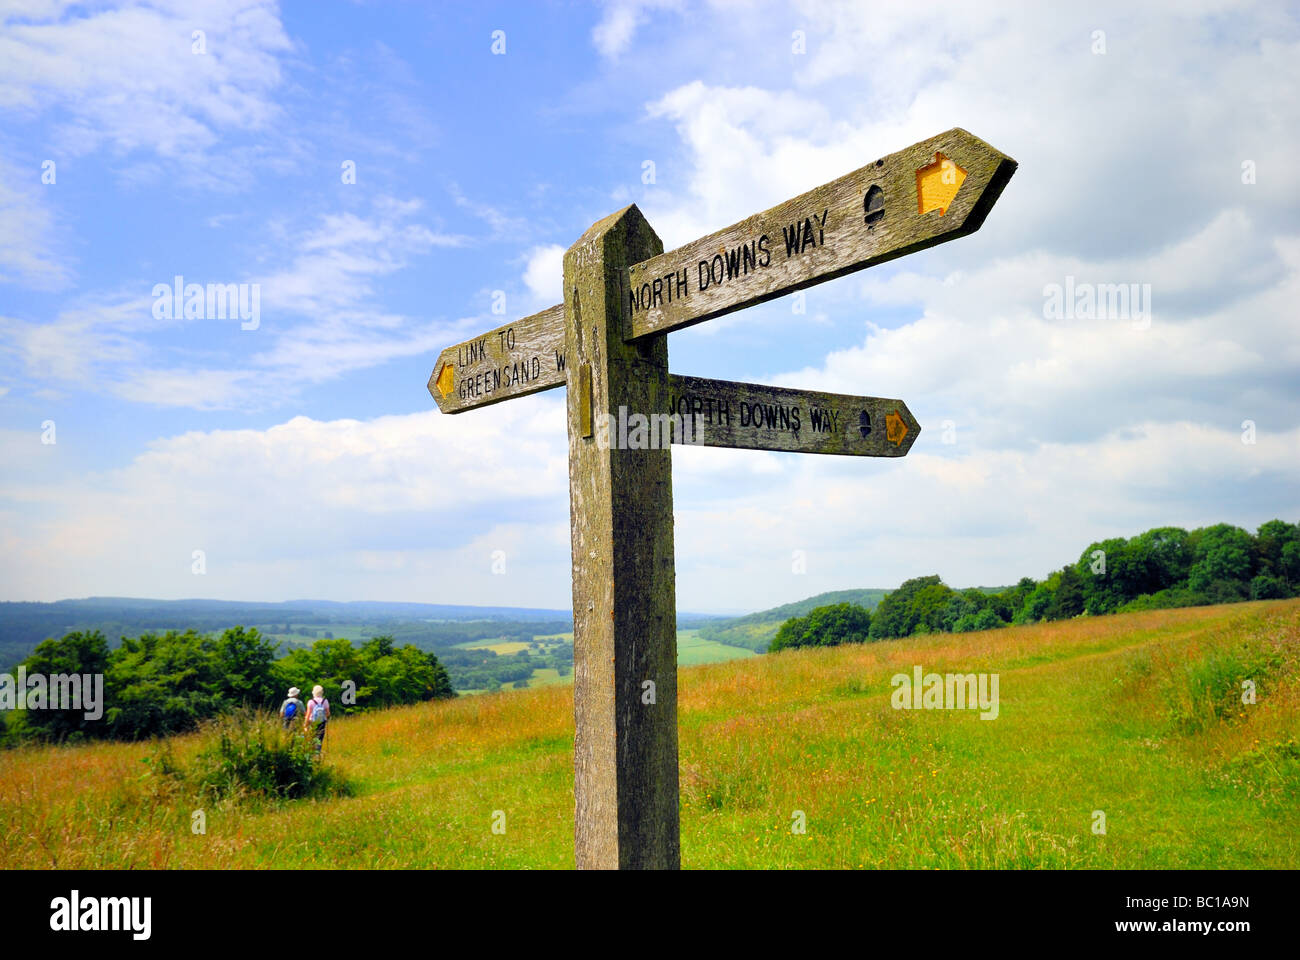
x=316, y=711
x=290, y=709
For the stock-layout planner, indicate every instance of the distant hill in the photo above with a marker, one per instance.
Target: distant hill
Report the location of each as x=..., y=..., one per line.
x=430, y=626
x=755, y=631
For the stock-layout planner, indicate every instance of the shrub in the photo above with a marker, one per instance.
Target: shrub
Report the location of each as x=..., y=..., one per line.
x=252, y=755
x=1165, y=599
x=917, y=606
x=1265, y=587
x=1036, y=605
x=826, y=626
x=1206, y=689
x=986, y=619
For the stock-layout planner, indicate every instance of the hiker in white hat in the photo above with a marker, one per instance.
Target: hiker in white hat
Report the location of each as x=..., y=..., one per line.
x=318, y=713
x=291, y=709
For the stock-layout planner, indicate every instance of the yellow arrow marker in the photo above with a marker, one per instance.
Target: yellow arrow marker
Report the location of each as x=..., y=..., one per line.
x=937, y=184
x=445, y=379
x=895, y=429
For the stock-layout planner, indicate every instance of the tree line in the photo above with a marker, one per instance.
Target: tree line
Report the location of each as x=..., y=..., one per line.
x=1163, y=567
x=160, y=684
x=481, y=668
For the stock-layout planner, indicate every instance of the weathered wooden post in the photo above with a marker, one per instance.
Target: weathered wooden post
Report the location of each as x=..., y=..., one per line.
x=624, y=596
x=607, y=343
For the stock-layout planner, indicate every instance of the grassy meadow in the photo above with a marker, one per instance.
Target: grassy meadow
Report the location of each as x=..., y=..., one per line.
x=693, y=649
x=1137, y=715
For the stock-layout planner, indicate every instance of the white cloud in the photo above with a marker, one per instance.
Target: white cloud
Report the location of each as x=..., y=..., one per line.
x=27, y=236
x=413, y=506
x=1119, y=154
x=81, y=340
x=319, y=319
x=1067, y=430
x=982, y=352
x=544, y=274
x=618, y=26
x=129, y=78
x=1143, y=194
x=612, y=35
x=336, y=261
x=391, y=507
x=500, y=224
x=988, y=517
x=749, y=148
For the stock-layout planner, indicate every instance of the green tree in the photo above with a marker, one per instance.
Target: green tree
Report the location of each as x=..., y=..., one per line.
x=1166, y=556
x=1106, y=575
x=826, y=626
x=1011, y=601
x=331, y=663
x=1222, y=567
x=1271, y=542
x=1290, y=564
x=77, y=653
x=927, y=607
x=899, y=614
x=396, y=675
x=962, y=607
x=243, y=661
x=162, y=684
x=1067, y=599
x=1036, y=605
x=1265, y=587
x=987, y=619
x=441, y=688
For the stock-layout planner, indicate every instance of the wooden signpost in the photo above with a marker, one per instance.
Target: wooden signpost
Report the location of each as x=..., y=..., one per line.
x=722, y=413
x=608, y=343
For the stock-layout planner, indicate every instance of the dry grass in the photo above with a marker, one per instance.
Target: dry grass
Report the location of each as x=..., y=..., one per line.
x=1115, y=714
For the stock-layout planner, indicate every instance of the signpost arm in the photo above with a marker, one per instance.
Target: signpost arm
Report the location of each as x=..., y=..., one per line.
x=608, y=344
x=624, y=597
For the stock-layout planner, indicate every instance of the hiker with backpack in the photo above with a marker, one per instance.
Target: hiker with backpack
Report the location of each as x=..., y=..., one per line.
x=318, y=714
x=291, y=708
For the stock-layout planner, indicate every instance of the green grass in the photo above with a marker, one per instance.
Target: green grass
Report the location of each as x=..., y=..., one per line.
x=1138, y=716
x=549, y=677
x=501, y=647
x=692, y=649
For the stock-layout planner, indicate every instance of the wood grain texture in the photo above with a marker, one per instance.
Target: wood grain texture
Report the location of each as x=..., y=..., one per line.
x=488, y=369
x=752, y=261
x=724, y=413
x=624, y=596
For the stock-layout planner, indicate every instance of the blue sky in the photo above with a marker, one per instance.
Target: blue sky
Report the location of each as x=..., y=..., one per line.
x=304, y=458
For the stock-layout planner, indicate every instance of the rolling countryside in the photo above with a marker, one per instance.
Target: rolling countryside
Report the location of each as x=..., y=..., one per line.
x=1138, y=716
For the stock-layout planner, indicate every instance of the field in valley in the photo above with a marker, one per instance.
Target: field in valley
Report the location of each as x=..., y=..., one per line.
x=692, y=650
x=1138, y=716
